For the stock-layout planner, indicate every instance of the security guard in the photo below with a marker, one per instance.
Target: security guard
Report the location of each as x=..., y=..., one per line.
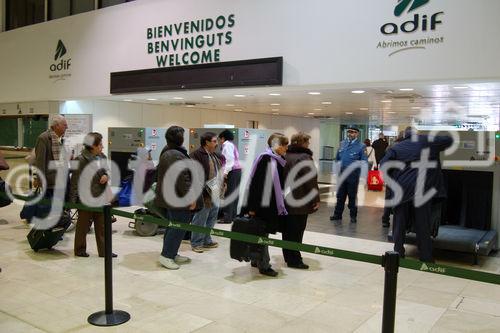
x=409, y=151
x=351, y=151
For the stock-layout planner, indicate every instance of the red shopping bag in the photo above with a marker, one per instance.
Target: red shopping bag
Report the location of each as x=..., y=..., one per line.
x=375, y=180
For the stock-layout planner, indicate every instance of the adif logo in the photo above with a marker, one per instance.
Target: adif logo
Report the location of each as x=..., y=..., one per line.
x=60, y=50
x=404, y=4
x=260, y=241
x=425, y=268
x=317, y=250
x=416, y=23
x=63, y=65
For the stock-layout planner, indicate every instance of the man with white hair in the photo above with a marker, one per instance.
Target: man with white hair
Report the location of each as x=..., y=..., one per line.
x=49, y=147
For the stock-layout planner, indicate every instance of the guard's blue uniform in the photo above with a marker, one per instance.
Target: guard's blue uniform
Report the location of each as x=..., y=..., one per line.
x=349, y=153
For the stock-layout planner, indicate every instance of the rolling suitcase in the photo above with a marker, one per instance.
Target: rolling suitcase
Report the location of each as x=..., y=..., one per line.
x=46, y=239
x=243, y=251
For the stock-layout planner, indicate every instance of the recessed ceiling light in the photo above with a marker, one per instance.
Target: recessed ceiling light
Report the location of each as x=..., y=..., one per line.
x=239, y=95
x=391, y=112
x=276, y=113
x=406, y=89
x=151, y=99
x=311, y=113
x=318, y=109
x=229, y=104
x=127, y=100
x=331, y=118
x=358, y=91
x=178, y=98
x=386, y=101
x=460, y=87
x=275, y=109
x=314, y=93
x=348, y=113
x=307, y=116
x=416, y=107
x=208, y=97
x=190, y=106
x=326, y=103
x=390, y=91
x=275, y=104
x=274, y=94
x=363, y=109
x=238, y=110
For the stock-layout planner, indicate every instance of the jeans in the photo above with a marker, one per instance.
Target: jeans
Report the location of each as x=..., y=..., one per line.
x=204, y=218
x=173, y=237
x=348, y=188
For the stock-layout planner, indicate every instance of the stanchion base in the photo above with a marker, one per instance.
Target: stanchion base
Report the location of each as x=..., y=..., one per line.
x=101, y=318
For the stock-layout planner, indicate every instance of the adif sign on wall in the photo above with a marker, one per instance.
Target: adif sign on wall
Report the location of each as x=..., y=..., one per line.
x=60, y=67
x=190, y=42
x=412, y=28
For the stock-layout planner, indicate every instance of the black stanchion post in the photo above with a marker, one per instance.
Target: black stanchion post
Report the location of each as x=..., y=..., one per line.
x=108, y=317
x=390, y=262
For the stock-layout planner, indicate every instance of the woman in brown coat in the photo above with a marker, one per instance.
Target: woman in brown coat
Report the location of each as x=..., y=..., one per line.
x=303, y=199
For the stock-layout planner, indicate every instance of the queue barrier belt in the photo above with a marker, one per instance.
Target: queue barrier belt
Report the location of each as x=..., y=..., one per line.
x=439, y=269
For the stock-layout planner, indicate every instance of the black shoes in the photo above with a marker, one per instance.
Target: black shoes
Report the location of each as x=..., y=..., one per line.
x=335, y=218
x=386, y=224
x=83, y=254
x=253, y=264
x=268, y=272
x=354, y=220
x=113, y=255
x=299, y=265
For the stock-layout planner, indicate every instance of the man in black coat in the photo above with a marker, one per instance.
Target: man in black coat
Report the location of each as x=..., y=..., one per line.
x=419, y=183
x=380, y=145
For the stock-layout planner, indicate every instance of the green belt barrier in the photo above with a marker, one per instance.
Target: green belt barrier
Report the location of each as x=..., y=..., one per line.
x=326, y=251
x=321, y=250
x=14, y=157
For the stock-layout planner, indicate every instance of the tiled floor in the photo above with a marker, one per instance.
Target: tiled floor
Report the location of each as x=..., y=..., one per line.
x=55, y=292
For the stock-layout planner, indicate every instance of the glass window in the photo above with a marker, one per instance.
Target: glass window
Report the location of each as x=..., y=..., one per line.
x=21, y=13
x=59, y=8
x=81, y=6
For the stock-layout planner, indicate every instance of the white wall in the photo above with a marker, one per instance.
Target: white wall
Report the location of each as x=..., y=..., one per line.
x=323, y=42
x=125, y=114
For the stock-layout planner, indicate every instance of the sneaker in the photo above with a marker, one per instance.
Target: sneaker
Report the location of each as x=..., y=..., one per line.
x=181, y=259
x=268, y=272
x=197, y=249
x=212, y=245
x=168, y=263
x=335, y=218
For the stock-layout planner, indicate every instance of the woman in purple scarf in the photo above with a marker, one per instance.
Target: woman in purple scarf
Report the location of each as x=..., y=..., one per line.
x=266, y=201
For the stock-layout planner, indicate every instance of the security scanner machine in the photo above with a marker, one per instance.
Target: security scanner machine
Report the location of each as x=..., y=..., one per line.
x=249, y=141
x=470, y=216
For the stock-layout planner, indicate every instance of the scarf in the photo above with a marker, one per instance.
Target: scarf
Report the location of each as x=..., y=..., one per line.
x=278, y=192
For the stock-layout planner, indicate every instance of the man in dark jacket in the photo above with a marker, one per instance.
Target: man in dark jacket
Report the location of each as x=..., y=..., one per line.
x=175, y=196
x=415, y=205
x=380, y=145
x=49, y=147
x=302, y=200
x=212, y=163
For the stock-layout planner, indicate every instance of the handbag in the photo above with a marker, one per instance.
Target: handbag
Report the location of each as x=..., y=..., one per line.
x=3, y=163
x=4, y=199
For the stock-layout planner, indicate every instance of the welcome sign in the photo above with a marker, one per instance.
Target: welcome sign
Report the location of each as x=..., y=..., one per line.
x=190, y=42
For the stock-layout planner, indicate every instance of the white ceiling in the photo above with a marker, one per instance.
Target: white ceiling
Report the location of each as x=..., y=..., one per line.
x=384, y=103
